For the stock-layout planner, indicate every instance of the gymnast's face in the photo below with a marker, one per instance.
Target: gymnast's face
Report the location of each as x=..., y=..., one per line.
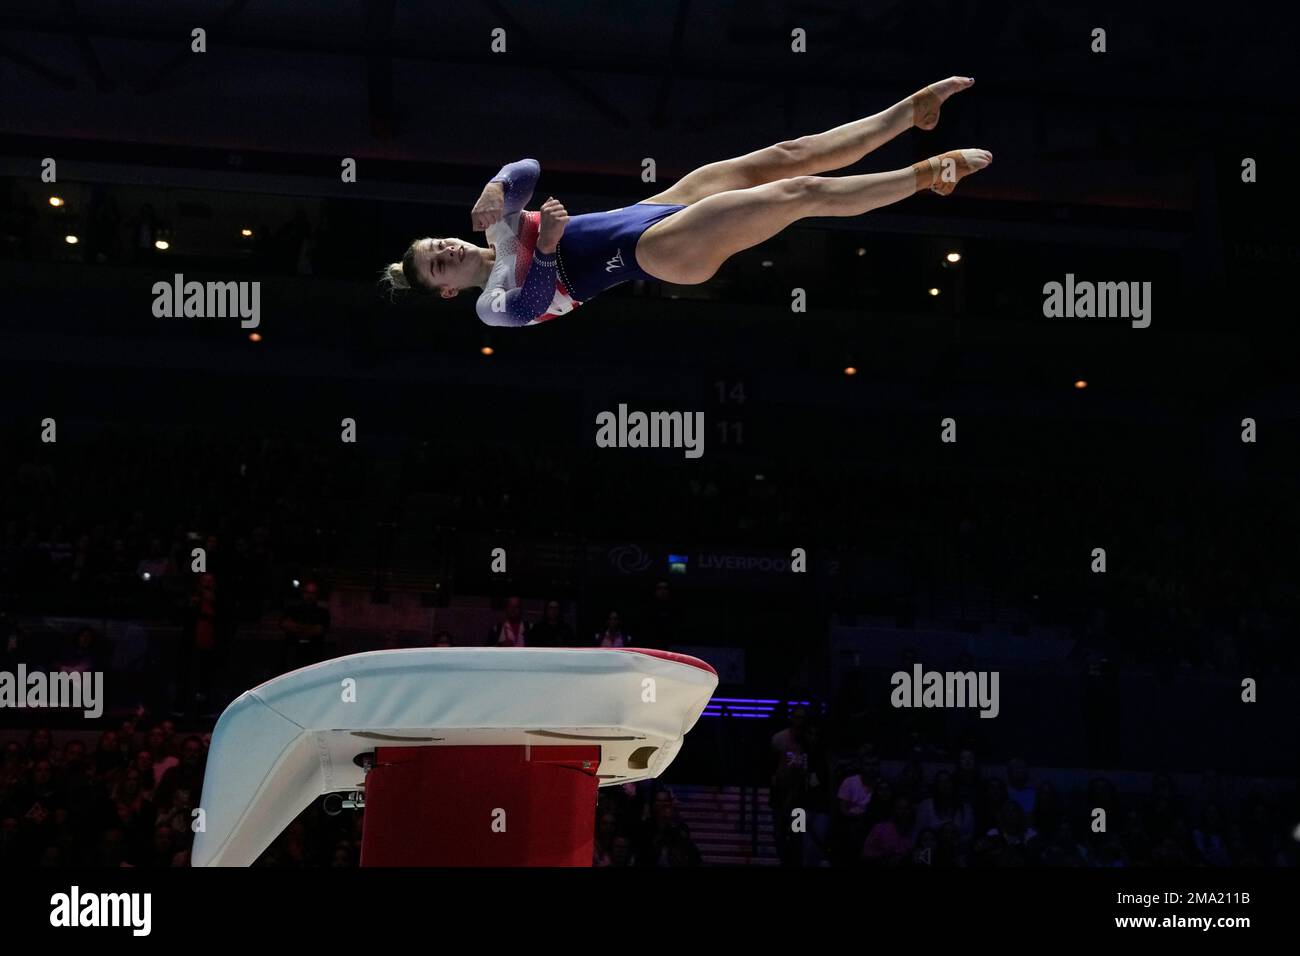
x=447, y=265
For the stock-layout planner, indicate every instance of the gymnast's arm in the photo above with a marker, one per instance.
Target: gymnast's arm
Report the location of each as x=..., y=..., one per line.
x=520, y=306
x=506, y=193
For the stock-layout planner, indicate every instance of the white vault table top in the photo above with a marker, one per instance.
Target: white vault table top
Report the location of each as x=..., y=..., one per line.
x=294, y=738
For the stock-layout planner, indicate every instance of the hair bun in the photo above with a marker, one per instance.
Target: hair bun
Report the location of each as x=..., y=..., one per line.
x=392, y=280
x=396, y=277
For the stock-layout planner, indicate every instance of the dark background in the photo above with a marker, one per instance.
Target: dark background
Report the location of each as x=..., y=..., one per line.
x=1122, y=166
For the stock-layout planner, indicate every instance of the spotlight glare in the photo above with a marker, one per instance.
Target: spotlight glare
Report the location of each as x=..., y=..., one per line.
x=254, y=336
x=162, y=245
x=861, y=251
x=1080, y=384
x=56, y=200
x=246, y=233
x=487, y=350
x=71, y=240
x=767, y=263
x=933, y=291
x=953, y=257
x=850, y=370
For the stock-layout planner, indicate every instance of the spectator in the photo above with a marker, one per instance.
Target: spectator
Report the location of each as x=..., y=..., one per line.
x=305, y=626
x=606, y=831
x=34, y=803
x=146, y=780
x=552, y=630
x=16, y=648
x=185, y=775
x=208, y=629
x=943, y=806
x=949, y=847
x=890, y=842
x=40, y=745
x=86, y=654
x=1012, y=828
x=513, y=630
x=799, y=782
x=109, y=761
x=880, y=807
x=665, y=838
x=160, y=752
x=613, y=635
x=163, y=851
x=13, y=769
x=128, y=740
x=855, y=791
x=621, y=853
x=175, y=813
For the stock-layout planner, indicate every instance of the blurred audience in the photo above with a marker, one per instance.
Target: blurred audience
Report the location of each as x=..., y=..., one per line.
x=613, y=635
x=552, y=630
x=512, y=630
x=305, y=626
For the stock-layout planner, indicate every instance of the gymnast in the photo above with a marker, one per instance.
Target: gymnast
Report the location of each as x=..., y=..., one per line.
x=540, y=265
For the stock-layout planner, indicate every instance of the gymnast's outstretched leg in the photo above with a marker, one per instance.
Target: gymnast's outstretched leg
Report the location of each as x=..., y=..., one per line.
x=689, y=246
x=818, y=152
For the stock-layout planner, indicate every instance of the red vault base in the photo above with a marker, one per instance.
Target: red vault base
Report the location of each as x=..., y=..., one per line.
x=481, y=806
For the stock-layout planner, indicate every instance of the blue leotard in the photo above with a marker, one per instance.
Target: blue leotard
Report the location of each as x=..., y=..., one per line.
x=596, y=252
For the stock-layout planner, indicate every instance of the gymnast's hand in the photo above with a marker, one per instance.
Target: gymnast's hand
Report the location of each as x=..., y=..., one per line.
x=490, y=207
x=554, y=217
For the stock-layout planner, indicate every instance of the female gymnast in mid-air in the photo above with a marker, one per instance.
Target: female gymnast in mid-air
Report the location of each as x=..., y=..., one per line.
x=540, y=265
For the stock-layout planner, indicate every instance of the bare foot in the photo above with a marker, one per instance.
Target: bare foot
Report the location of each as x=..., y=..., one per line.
x=926, y=103
x=941, y=173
